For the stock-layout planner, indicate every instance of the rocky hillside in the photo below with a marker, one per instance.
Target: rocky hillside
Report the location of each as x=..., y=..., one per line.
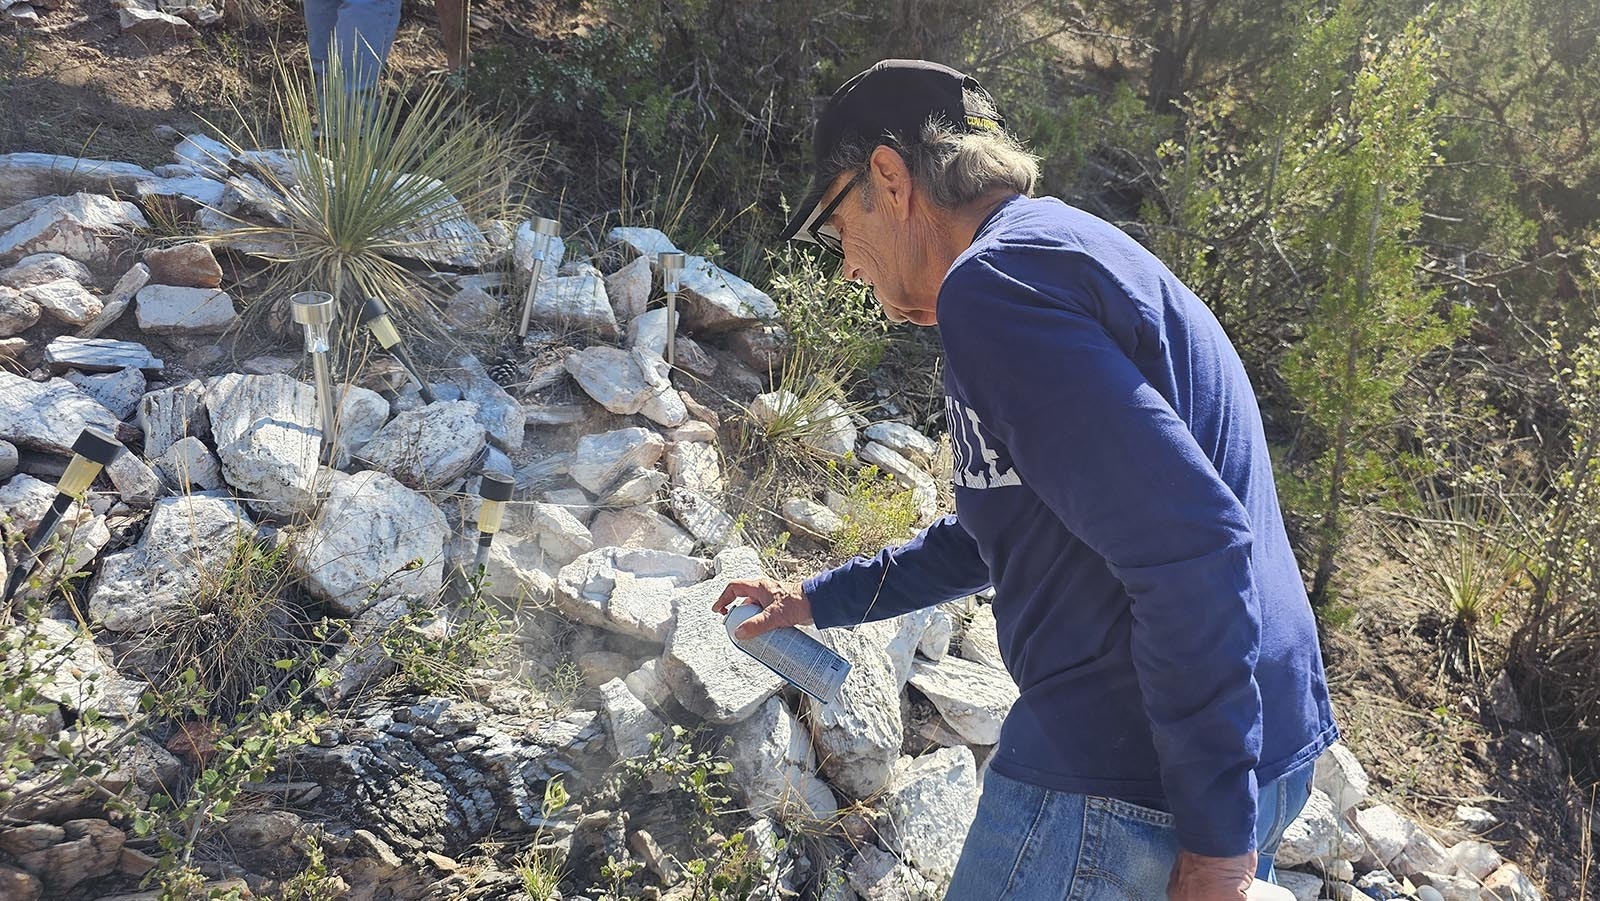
x=256, y=662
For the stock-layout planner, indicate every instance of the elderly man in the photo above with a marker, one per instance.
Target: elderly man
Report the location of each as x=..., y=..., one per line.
x=1114, y=487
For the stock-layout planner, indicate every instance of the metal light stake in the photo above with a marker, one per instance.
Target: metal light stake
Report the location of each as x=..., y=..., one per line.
x=671, y=264
x=315, y=311
x=375, y=316
x=495, y=489
x=543, y=231
x=93, y=451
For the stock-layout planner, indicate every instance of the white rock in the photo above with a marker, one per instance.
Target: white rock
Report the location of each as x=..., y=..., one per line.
x=775, y=768
x=693, y=430
x=189, y=192
x=100, y=355
x=707, y=522
x=629, y=722
x=637, y=486
x=639, y=528
x=169, y=414
x=66, y=299
x=86, y=227
x=664, y=405
x=1339, y=774
x=8, y=462
x=575, y=304
x=626, y=590
x=522, y=255
x=1476, y=819
x=73, y=671
x=136, y=483
x=1398, y=843
x=116, y=303
x=629, y=288
x=599, y=459
x=153, y=24
x=118, y=391
x=450, y=238
x=811, y=517
x=32, y=175
x=369, y=530
x=708, y=675
x=1474, y=858
x=362, y=412
x=935, y=641
x=697, y=467
x=188, y=465
x=877, y=875
x=169, y=310
x=931, y=801
x=1511, y=884
x=617, y=381
x=858, y=735
x=268, y=438
x=471, y=308
x=979, y=641
x=48, y=416
x=973, y=699
x=1447, y=887
x=1502, y=697
x=17, y=313
x=500, y=413
x=642, y=242
x=204, y=154
x=428, y=448
x=649, y=330
x=185, y=548
x=921, y=485
x=1304, y=886
x=516, y=570
x=81, y=536
x=560, y=535
x=40, y=268
x=1314, y=837
x=715, y=300
x=647, y=685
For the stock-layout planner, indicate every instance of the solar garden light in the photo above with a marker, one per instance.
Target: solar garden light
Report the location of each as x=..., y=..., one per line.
x=495, y=489
x=315, y=311
x=543, y=230
x=671, y=264
x=375, y=316
x=93, y=451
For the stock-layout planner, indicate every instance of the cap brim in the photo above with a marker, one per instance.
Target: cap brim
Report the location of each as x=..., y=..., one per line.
x=800, y=225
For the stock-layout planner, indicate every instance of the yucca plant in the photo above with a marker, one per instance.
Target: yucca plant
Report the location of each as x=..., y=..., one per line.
x=374, y=191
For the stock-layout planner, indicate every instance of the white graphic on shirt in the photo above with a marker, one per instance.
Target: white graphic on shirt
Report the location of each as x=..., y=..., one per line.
x=980, y=462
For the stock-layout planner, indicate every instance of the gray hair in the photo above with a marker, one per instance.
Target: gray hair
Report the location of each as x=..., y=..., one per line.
x=955, y=167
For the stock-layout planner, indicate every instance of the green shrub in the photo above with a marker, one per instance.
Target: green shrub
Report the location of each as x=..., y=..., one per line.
x=878, y=512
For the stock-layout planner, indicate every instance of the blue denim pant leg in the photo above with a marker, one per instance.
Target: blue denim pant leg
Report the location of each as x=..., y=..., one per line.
x=360, y=31
x=1032, y=844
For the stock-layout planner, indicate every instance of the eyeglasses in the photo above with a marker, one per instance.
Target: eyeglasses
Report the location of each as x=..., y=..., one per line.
x=827, y=234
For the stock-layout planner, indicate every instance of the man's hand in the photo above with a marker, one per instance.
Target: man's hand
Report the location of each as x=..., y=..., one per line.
x=1197, y=878
x=782, y=604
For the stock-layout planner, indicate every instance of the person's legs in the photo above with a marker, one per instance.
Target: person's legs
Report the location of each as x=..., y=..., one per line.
x=320, y=18
x=1278, y=803
x=362, y=37
x=1032, y=844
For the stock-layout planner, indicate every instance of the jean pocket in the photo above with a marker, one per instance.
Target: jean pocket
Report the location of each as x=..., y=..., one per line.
x=1128, y=852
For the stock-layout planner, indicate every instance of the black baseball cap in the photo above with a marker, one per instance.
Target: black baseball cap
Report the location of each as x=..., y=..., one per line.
x=895, y=98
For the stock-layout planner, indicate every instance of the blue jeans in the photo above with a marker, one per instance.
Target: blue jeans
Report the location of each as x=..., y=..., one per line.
x=360, y=31
x=1030, y=844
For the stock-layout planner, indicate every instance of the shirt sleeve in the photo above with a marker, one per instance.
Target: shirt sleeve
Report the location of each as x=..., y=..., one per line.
x=941, y=564
x=1106, y=452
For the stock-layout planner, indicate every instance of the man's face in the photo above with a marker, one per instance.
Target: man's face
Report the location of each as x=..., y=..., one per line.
x=880, y=247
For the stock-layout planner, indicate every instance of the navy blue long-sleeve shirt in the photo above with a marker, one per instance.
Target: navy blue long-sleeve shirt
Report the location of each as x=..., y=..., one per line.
x=1113, y=485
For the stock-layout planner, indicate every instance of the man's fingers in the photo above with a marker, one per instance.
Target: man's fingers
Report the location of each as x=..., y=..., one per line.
x=764, y=621
x=754, y=591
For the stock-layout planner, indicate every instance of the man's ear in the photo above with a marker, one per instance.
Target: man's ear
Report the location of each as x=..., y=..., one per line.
x=892, y=180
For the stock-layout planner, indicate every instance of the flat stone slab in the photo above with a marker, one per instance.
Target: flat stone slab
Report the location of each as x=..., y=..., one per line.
x=169, y=414
x=174, y=310
x=48, y=416
x=27, y=175
x=600, y=458
x=189, y=540
x=88, y=228
x=626, y=590
x=973, y=699
x=370, y=530
x=708, y=675
x=100, y=355
x=430, y=447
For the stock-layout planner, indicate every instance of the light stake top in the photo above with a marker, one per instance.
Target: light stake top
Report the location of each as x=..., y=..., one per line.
x=671, y=264
x=316, y=311
x=375, y=316
x=543, y=230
